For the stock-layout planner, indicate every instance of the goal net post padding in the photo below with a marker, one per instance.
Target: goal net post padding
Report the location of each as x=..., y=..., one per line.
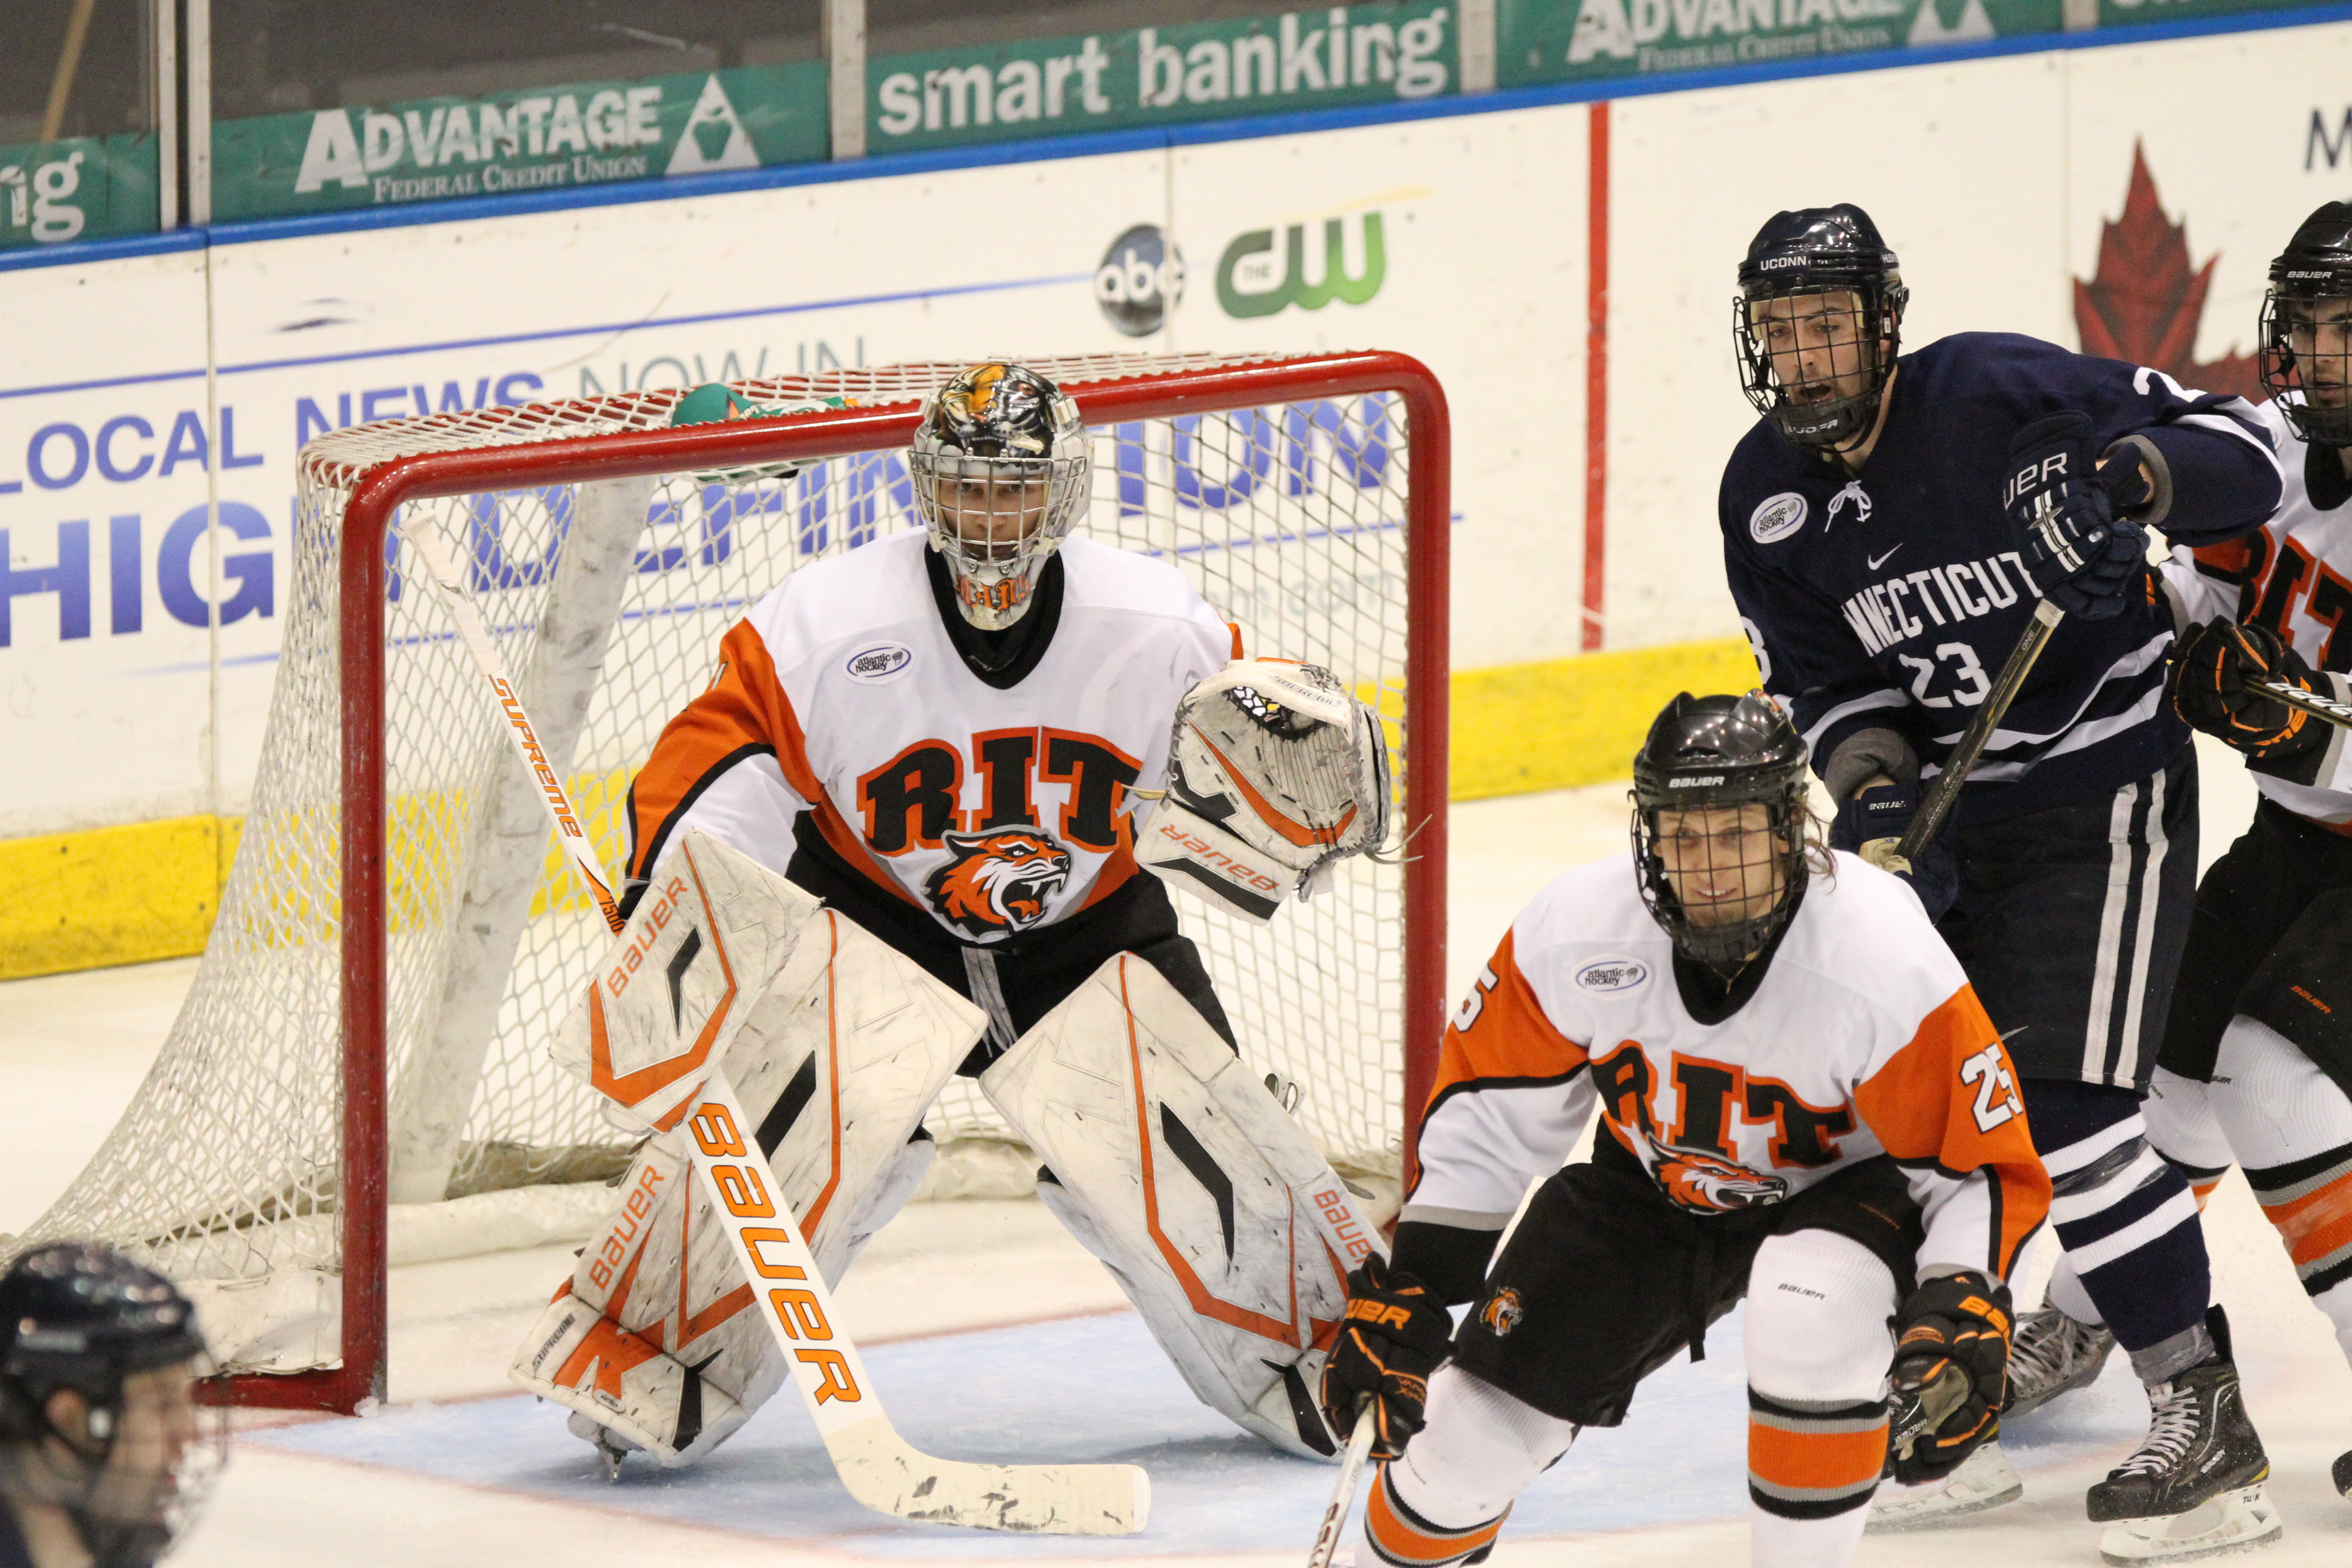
x=358, y=1076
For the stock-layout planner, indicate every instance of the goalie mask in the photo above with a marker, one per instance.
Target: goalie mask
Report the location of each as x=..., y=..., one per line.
x=100, y=1362
x=1000, y=463
x=1817, y=324
x=1719, y=824
x=2306, y=328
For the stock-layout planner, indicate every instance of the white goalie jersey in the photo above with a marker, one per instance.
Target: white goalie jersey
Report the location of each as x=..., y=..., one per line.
x=995, y=809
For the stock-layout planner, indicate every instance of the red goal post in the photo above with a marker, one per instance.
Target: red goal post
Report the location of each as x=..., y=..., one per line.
x=544, y=453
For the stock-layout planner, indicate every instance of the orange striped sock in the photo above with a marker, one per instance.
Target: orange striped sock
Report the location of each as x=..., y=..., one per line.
x=1812, y=1461
x=1402, y=1538
x=2310, y=1203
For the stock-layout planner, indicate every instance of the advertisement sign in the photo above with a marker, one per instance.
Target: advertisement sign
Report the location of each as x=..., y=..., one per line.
x=1574, y=40
x=1381, y=53
x=531, y=138
x=87, y=187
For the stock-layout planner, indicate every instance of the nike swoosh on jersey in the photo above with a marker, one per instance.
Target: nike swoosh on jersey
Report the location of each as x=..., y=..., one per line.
x=1878, y=561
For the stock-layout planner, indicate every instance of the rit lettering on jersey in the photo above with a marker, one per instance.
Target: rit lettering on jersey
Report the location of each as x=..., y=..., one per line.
x=1689, y=1129
x=2283, y=587
x=1005, y=865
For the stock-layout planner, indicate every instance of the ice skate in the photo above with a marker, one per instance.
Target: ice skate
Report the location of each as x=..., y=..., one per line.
x=2054, y=1355
x=1985, y=1479
x=2341, y=1473
x=2194, y=1486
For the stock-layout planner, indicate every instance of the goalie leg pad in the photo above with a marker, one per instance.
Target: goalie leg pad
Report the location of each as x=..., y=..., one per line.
x=836, y=1062
x=1172, y=1162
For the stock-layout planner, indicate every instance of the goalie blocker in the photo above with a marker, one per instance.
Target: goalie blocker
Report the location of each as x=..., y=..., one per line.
x=1220, y=1219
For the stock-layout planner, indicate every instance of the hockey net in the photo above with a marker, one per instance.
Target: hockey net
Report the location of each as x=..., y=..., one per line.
x=370, y=1014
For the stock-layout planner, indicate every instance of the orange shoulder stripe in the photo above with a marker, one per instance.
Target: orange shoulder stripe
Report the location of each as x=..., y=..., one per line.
x=1501, y=1031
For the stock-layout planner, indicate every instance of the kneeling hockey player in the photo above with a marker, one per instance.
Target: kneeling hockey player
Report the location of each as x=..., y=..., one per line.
x=105, y=1456
x=1889, y=526
x=1802, y=1103
x=941, y=735
x=2257, y=1059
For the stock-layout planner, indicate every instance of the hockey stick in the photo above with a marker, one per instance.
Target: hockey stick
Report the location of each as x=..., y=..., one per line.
x=1945, y=793
x=879, y=1468
x=2310, y=702
x=1343, y=1490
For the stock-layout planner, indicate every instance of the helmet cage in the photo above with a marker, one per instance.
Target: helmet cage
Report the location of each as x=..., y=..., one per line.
x=1730, y=943
x=1831, y=423
x=2324, y=367
x=994, y=576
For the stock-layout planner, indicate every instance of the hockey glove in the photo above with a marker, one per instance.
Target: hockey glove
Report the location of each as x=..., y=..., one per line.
x=1952, y=1370
x=1883, y=813
x=2083, y=556
x=2216, y=669
x=1393, y=1337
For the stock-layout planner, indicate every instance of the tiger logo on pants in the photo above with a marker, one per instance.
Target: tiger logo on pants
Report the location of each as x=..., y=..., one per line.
x=998, y=883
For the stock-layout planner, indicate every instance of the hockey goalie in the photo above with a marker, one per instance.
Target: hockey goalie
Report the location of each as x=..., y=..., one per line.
x=912, y=816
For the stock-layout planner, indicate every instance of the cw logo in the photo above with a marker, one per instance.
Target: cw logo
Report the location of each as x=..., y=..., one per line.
x=1246, y=286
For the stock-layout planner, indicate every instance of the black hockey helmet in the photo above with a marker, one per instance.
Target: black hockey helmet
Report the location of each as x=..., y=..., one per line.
x=77, y=1316
x=2315, y=267
x=1816, y=254
x=988, y=434
x=1721, y=751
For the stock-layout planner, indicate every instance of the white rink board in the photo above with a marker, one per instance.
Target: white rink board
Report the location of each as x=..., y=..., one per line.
x=1990, y=178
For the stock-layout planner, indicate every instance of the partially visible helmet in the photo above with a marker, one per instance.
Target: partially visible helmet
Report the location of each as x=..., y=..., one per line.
x=1709, y=751
x=138, y=1463
x=1000, y=463
x=1811, y=258
x=2313, y=276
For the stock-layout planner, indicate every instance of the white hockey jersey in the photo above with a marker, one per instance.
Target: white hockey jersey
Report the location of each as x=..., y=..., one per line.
x=2294, y=576
x=1862, y=1037
x=996, y=810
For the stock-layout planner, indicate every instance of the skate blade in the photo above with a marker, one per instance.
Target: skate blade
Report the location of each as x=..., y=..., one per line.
x=1985, y=1479
x=2238, y=1521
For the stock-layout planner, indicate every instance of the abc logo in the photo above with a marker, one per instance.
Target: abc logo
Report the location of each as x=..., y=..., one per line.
x=1141, y=278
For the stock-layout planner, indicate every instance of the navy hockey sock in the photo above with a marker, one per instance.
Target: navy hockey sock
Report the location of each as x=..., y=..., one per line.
x=2127, y=1219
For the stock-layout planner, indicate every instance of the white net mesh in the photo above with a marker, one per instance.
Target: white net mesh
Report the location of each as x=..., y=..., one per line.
x=1289, y=518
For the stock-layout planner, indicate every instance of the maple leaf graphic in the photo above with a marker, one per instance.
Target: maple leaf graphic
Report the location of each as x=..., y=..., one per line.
x=2144, y=303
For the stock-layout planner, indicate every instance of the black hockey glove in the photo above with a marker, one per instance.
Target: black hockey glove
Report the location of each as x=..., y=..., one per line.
x=1885, y=811
x=2216, y=667
x=2081, y=553
x=1952, y=1370
x=1393, y=1337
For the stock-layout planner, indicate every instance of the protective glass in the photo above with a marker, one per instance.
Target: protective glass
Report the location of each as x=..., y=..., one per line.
x=1720, y=879
x=1813, y=362
x=2306, y=347
x=996, y=521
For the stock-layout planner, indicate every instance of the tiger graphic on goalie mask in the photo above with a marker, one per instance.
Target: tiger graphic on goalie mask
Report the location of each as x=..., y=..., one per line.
x=998, y=883
x=1695, y=1179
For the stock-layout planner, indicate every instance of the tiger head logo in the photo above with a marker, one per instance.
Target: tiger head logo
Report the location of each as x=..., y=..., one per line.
x=1502, y=1312
x=998, y=883
x=1710, y=1184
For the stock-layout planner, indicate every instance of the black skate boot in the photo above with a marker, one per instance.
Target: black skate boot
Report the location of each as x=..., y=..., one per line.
x=2342, y=1474
x=2194, y=1486
x=2052, y=1354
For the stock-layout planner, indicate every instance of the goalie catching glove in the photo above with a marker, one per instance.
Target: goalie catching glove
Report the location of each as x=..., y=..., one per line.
x=1275, y=772
x=1951, y=1369
x=1394, y=1336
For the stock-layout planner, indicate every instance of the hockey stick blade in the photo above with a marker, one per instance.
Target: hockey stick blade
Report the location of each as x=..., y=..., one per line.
x=1946, y=792
x=2310, y=702
x=878, y=1466
x=1343, y=1490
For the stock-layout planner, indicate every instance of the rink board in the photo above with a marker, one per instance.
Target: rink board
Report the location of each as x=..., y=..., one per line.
x=1098, y=1389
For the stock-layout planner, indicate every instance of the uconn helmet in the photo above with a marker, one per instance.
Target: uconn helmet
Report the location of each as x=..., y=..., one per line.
x=1818, y=323
x=1703, y=753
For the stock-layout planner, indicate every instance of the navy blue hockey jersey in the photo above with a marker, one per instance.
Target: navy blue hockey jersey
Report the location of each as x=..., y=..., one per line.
x=1892, y=599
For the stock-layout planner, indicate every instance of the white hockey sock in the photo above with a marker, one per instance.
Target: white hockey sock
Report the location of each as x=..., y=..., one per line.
x=1479, y=1451
x=2066, y=1294
x=2290, y=1127
x=1778, y=1542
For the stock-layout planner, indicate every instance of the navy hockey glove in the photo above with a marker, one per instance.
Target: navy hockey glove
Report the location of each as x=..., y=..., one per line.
x=2215, y=668
x=2081, y=553
x=1951, y=1373
x=1393, y=1337
x=1885, y=811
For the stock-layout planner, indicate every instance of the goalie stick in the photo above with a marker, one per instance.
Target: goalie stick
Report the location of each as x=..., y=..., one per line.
x=878, y=1468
